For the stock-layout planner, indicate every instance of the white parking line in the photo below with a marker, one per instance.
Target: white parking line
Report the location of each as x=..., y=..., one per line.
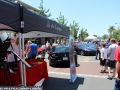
x=80, y=75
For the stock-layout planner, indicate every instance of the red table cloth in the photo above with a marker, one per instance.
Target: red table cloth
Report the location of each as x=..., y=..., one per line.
x=33, y=74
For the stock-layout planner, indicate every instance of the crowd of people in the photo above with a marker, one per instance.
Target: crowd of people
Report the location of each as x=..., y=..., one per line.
x=109, y=56
x=31, y=49
x=108, y=53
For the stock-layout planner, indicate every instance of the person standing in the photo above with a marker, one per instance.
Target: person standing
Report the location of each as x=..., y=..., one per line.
x=97, y=51
x=33, y=49
x=43, y=51
x=111, y=62
x=49, y=48
x=103, y=59
x=14, y=47
x=28, y=54
x=117, y=72
x=108, y=43
x=47, y=43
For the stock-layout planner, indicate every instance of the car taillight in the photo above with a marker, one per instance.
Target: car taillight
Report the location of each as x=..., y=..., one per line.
x=53, y=55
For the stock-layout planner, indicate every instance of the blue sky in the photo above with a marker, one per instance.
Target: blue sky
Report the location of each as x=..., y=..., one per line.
x=94, y=15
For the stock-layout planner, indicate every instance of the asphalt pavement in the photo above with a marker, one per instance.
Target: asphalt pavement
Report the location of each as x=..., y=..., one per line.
x=88, y=74
x=61, y=82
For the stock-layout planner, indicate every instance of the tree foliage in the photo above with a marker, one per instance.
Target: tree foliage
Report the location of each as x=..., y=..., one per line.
x=113, y=32
x=42, y=11
x=62, y=20
x=84, y=34
x=74, y=27
x=105, y=36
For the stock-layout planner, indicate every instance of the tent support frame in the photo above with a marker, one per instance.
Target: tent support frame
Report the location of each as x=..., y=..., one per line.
x=22, y=66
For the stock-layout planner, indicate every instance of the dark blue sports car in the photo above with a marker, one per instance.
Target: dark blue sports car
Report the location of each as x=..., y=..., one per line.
x=90, y=45
x=83, y=49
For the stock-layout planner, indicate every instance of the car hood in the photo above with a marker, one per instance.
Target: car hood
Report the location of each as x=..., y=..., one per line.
x=89, y=49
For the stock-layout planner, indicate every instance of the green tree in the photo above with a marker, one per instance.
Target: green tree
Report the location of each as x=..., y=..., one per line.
x=74, y=27
x=105, y=36
x=84, y=34
x=42, y=11
x=114, y=33
x=62, y=20
x=111, y=31
x=118, y=33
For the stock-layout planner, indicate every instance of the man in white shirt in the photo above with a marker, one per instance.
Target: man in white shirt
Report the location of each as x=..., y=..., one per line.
x=47, y=43
x=103, y=59
x=13, y=47
x=111, y=62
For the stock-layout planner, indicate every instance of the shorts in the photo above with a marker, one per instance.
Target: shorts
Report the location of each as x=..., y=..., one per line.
x=111, y=64
x=102, y=62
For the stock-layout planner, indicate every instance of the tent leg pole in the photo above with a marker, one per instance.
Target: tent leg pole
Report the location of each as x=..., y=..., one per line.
x=21, y=64
x=24, y=68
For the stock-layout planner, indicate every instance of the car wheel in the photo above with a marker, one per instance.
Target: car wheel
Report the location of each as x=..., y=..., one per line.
x=82, y=53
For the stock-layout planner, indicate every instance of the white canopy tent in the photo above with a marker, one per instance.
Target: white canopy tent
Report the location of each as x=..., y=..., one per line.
x=91, y=37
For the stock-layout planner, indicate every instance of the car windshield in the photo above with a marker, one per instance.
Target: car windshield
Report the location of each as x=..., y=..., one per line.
x=90, y=45
x=82, y=46
x=61, y=49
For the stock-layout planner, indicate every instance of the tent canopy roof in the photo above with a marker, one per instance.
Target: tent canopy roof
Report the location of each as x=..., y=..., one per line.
x=91, y=37
x=10, y=20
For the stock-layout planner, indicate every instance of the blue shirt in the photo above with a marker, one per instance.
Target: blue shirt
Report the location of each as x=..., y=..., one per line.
x=34, y=48
x=99, y=44
x=108, y=44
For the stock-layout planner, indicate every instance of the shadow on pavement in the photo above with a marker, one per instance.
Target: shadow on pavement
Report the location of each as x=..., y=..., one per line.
x=55, y=83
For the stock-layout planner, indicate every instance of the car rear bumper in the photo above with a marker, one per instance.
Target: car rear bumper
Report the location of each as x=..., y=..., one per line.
x=54, y=61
